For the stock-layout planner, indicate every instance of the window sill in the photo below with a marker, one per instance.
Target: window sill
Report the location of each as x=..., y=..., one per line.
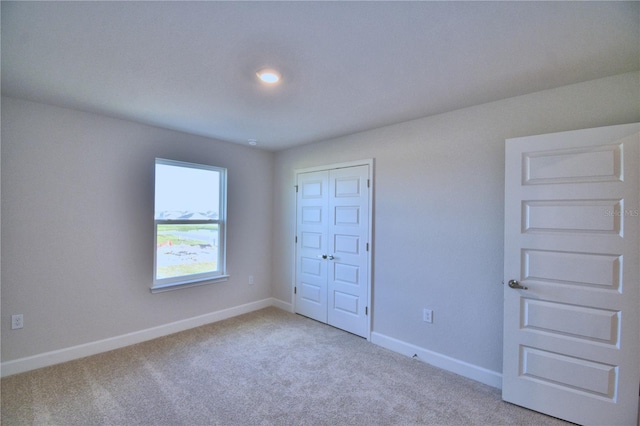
x=177, y=286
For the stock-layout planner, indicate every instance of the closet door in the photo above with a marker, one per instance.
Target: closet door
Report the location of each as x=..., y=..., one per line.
x=312, y=248
x=332, y=247
x=348, y=235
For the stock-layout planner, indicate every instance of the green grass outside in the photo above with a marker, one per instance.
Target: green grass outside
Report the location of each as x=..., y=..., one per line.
x=163, y=237
x=176, y=240
x=185, y=269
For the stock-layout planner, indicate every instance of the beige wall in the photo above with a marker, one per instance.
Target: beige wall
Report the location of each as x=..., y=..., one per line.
x=77, y=227
x=438, y=212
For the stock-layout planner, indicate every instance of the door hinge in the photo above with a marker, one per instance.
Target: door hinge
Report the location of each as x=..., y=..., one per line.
x=367, y=246
x=295, y=290
x=296, y=188
x=366, y=310
x=296, y=239
x=368, y=183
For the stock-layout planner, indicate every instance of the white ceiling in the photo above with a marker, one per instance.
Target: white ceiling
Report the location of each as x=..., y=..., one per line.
x=346, y=66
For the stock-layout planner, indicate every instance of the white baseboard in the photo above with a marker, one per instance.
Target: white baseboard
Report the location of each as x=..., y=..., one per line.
x=46, y=359
x=474, y=372
x=75, y=352
x=285, y=306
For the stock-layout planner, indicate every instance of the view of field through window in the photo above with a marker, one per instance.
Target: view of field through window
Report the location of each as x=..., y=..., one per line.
x=186, y=250
x=188, y=229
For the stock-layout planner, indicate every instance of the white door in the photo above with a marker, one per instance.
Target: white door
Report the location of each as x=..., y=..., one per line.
x=572, y=336
x=348, y=249
x=312, y=212
x=332, y=258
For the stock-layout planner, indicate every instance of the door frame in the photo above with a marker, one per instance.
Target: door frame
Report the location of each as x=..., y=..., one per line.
x=366, y=162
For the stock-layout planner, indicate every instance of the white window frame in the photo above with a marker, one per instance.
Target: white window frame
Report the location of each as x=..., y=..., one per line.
x=183, y=281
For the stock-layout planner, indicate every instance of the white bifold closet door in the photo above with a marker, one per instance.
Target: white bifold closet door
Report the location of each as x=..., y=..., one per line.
x=332, y=247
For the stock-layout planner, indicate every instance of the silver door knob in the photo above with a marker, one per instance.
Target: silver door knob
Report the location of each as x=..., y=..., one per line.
x=331, y=257
x=515, y=284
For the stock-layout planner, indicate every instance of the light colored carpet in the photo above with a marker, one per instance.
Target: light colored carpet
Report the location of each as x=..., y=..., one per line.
x=268, y=367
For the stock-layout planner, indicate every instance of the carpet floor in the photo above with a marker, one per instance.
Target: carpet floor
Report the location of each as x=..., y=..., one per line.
x=268, y=367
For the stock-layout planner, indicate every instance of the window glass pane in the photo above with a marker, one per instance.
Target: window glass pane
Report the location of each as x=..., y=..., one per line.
x=190, y=214
x=187, y=249
x=185, y=193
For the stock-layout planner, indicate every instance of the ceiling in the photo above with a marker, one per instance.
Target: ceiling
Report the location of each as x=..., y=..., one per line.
x=346, y=66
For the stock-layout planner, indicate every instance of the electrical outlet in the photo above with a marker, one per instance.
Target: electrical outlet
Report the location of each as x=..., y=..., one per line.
x=250, y=279
x=17, y=321
x=427, y=315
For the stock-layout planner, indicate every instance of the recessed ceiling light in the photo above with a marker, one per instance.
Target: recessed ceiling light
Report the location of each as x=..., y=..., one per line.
x=253, y=142
x=268, y=75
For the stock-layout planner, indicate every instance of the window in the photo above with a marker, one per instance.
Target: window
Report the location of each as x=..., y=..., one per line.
x=190, y=224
